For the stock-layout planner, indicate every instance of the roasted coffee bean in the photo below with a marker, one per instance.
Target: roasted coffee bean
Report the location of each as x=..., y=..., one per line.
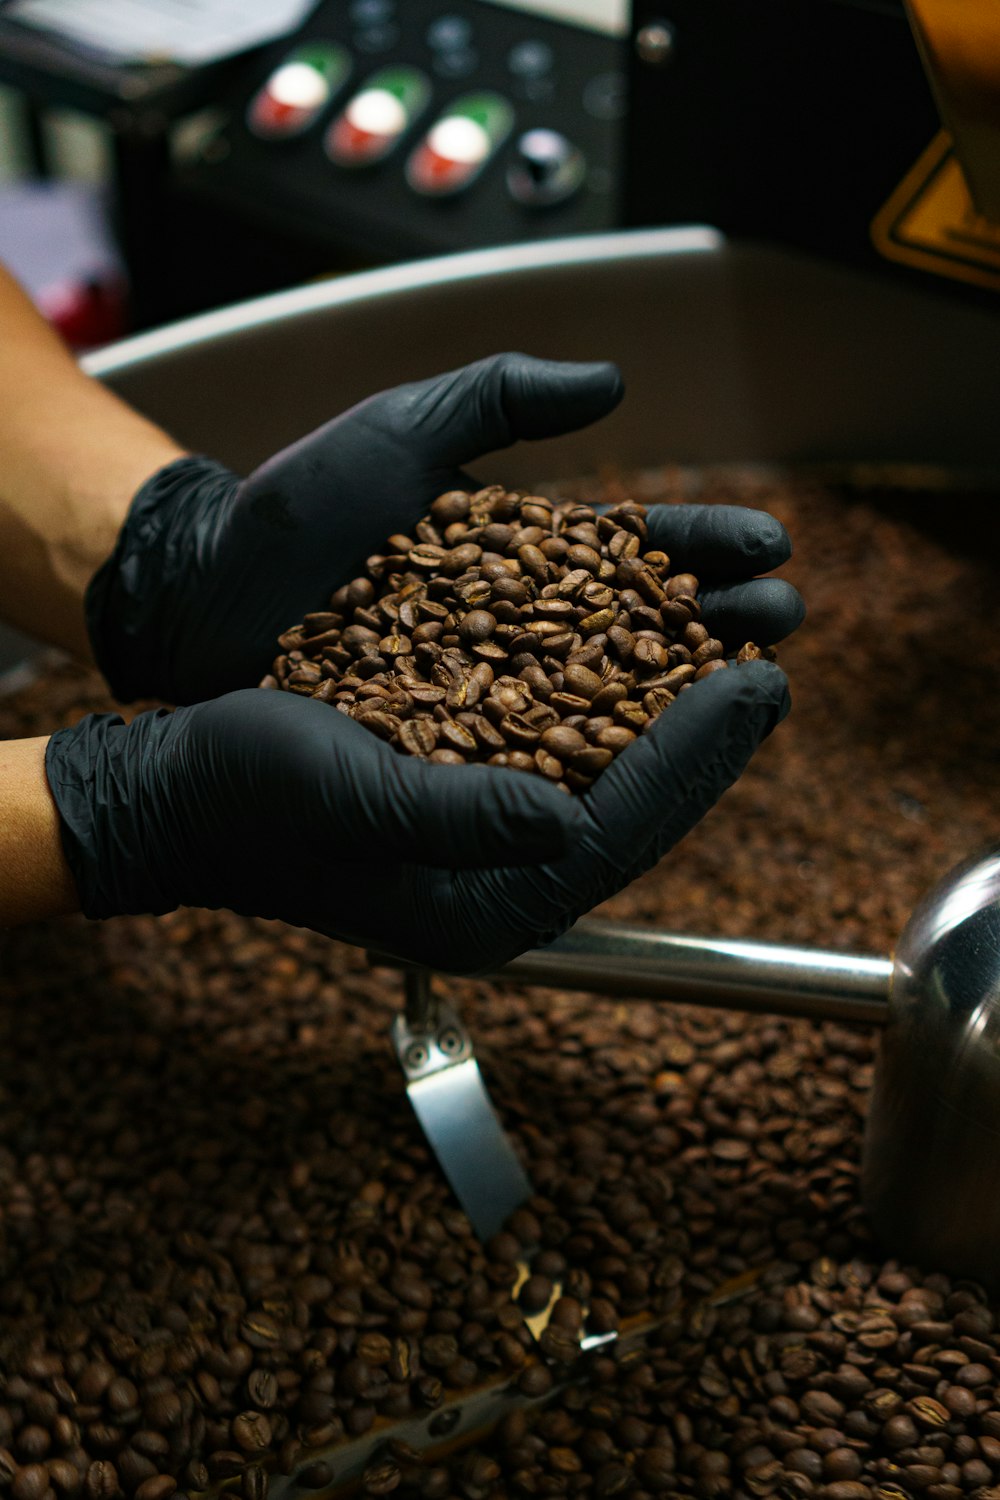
x=153, y=1445
x=656, y=701
x=426, y=557
x=251, y=1431
x=165, y=1410
x=581, y=681
x=599, y=621
x=649, y=655
x=709, y=650
x=453, y=505
x=841, y=1464
x=262, y=1388
x=438, y=1351
x=381, y=1478
x=517, y=731
x=629, y=715
x=33, y=1443
x=591, y=761
x=959, y=1402
x=225, y=1464
x=159, y=1487
x=476, y=626
x=709, y=667
x=418, y=736
x=616, y=738
x=64, y=1477
x=454, y=736
x=928, y=1413
x=133, y=1467
x=100, y=1482
x=253, y=1484
x=548, y=765
x=563, y=742
x=260, y=1331
x=681, y=584
x=121, y=1396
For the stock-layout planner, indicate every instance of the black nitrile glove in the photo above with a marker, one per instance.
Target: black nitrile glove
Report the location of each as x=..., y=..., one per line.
x=473, y=921
x=725, y=546
x=209, y=569
x=274, y=805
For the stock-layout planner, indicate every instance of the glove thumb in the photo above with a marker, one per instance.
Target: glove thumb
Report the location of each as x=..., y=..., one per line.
x=458, y=417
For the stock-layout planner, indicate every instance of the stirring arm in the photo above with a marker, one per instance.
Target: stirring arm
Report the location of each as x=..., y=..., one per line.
x=609, y=958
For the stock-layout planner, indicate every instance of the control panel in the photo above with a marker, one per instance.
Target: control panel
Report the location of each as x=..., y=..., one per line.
x=393, y=128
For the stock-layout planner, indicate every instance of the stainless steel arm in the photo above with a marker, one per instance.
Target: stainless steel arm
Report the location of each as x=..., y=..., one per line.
x=608, y=958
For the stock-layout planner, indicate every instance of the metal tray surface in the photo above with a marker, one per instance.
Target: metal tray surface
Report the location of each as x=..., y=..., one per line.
x=730, y=352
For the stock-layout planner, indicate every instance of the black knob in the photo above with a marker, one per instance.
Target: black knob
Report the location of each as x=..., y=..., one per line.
x=546, y=168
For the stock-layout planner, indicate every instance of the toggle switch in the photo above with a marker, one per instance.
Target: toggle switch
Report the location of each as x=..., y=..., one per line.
x=546, y=168
x=372, y=122
x=298, y=91
x=459, y=144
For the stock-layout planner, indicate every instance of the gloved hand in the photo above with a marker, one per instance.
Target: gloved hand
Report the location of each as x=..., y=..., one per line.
x=209, y=569
x=203, y=807
x=725, y=547
x=637, y=810
x=276, y=805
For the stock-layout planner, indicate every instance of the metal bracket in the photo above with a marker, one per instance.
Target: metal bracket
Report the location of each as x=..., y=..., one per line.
x=451, y=1101
x=429, y=1034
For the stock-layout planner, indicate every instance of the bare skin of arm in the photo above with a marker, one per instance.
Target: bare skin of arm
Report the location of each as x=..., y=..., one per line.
x=34, y=878
x=71, y=458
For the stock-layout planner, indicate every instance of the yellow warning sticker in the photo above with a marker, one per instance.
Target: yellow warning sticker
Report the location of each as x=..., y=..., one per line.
x=930, y=222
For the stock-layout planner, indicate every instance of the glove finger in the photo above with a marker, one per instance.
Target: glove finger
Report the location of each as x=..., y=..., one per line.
x=721, y=542
x=463, y=816
x=763, y=610
x=659, y=788
x=640, y=807
x=490, y=404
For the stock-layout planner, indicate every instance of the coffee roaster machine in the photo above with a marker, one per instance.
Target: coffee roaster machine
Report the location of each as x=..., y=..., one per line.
x=768, y=356
x=386, y=130
x=735, y=349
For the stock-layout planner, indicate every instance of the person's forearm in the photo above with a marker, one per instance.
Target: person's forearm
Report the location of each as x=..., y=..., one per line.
x=71, y=458
x=34, y=878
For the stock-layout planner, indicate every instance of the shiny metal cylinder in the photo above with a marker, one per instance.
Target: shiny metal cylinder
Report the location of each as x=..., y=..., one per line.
x=609, y=958
x=931, y=1169
x=931, y=1164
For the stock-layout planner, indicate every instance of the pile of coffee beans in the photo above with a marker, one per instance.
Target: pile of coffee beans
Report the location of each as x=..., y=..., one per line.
x=225, y=1249
x=836, y=1381
x=512, y=632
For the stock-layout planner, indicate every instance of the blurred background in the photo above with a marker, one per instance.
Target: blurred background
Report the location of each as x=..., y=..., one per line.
x=161, y=157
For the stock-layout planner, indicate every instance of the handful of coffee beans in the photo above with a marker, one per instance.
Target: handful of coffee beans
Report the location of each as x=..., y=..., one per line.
x=510, y=631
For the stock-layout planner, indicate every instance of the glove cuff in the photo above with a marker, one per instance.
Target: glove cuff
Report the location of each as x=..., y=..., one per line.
x=95, y=773
x=137, y=600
